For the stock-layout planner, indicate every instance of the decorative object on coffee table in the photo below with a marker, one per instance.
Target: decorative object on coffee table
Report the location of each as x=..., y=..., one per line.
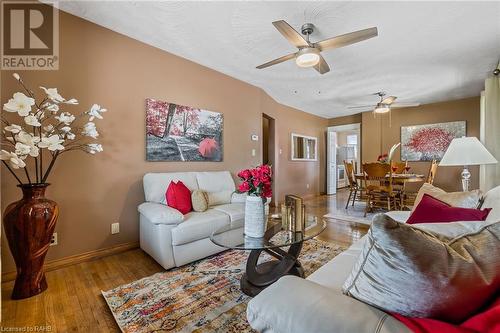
x=258, y=276
x=257, y=184
x=465, y=152
x=45, y=133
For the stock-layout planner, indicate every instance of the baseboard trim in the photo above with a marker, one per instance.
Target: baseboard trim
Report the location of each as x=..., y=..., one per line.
x=78, y=258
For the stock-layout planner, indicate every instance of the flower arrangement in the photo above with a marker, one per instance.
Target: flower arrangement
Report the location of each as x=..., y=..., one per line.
x=383, y=158
x=387, y=157
x=256, y=181
x=45, y=128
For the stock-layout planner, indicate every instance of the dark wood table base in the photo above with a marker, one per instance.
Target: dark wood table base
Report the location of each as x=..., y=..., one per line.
x=259, y=276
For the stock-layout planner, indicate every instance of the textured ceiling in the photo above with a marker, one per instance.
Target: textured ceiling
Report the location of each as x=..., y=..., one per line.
x=425, y=52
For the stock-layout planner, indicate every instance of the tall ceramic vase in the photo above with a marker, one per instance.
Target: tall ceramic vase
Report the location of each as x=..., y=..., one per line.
x=29, y=224
x=255, y=219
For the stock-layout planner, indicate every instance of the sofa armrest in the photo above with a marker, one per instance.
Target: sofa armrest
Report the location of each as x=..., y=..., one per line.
x=293, y=304
x=160, y=214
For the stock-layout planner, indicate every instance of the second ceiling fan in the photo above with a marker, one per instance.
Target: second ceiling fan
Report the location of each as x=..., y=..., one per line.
x=309, y=54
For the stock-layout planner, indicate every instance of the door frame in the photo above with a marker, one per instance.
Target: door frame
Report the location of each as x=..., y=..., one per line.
x=340, y=128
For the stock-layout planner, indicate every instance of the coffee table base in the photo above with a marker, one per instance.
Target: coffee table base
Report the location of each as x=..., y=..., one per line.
x=259, y=276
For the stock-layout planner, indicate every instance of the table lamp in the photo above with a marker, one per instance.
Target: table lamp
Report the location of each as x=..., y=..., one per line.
x=466, y=151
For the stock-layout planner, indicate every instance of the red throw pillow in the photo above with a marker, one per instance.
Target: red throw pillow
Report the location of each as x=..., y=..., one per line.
x=432, y=210
x=179, y=197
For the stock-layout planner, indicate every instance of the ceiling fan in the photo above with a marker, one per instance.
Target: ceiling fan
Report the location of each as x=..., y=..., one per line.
x=384, y=105
x=309, y=54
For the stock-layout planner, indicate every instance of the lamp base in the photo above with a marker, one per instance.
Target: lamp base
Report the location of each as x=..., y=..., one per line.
x=465, y=179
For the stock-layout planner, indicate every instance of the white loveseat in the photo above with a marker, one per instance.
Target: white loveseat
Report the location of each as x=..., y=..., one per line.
x=174, y=240
x=317, y=305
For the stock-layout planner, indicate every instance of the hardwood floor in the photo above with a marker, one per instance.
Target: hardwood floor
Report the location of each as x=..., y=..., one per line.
x=73, y=301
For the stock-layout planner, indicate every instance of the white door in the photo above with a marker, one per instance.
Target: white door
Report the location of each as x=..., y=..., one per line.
x=331, y=167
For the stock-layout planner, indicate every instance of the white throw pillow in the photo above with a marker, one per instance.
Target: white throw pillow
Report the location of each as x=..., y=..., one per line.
x=492, y=200
x=456, y=199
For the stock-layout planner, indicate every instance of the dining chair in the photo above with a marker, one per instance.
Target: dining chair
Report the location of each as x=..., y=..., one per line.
x=356, y=190
x=379, y=187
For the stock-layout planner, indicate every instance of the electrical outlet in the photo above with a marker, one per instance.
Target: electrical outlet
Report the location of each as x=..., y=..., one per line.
x=53, y=240
x=115, y=228
x=254, y=152
x=307, y=186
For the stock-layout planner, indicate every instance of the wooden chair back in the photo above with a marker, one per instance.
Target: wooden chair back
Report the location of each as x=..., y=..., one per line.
x=432, y=172
x=375, y=175
x=349, y=170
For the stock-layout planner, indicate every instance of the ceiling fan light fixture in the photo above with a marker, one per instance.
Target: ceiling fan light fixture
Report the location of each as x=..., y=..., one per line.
x=307, y=57
x=382, y=108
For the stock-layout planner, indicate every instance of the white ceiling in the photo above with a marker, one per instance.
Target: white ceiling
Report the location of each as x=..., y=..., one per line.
x=425, y=52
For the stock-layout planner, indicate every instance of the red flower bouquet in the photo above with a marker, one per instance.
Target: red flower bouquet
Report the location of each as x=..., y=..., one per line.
x=257, y=181
x=384, y=158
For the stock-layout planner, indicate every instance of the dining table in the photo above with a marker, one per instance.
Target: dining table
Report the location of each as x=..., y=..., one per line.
x=403, y=177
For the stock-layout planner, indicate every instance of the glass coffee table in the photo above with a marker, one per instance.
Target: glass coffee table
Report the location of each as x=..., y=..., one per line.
x=258, y=276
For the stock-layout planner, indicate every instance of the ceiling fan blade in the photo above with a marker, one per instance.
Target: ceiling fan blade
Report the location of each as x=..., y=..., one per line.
x=404, y=105
x=290, y=34
x=361, y=106
x=322, y=67
x=346, y=39
x=389, y=100
x=277, y=61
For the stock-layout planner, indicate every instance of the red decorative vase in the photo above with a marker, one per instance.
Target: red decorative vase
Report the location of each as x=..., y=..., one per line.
x=29, y=224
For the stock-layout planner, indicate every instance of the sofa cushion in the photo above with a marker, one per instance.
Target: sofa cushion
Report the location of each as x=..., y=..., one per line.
x=155, y=184
x=492, y=200
x=432, y=210
x=199, y=199
x=219, y=186
x=296, y=305
x=199, y=225
x=406, y=270
x=456, y=199
x=235, y=211
x=160, y=214
x=179, y=197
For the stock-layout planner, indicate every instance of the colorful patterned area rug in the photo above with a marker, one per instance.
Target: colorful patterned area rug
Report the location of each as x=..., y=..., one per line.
x=204, y=296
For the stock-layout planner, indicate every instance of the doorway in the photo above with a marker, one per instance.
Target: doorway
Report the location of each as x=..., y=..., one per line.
x=344, y=144
x=269, y=149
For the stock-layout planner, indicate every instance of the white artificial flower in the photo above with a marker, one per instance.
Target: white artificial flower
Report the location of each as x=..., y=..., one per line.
x=53, y=95
x=66, y=129
x=66, y=118
x=20, y=103
x=93, y=148
x=48, y=128
x=70, y=136
x=32, y=121
x=14, y=160
x=16, y=76
x=52, y=108
x=29, y=140
x=89, y=129
x=95, y=112
x=71, y=101
x=22, y=149
x=52, y=143
x=13, y=128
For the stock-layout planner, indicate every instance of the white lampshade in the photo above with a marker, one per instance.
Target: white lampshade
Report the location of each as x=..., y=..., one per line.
x=466, y=151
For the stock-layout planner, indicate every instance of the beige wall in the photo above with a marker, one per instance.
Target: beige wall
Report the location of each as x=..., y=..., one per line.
x=345, y=120
x=377, y=136
x=101, y=66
